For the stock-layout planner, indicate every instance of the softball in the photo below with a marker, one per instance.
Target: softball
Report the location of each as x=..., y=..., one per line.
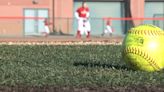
x=143, y=48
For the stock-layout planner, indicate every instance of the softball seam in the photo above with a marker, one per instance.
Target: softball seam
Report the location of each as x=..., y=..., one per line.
x=144, y=32
x=140, y=52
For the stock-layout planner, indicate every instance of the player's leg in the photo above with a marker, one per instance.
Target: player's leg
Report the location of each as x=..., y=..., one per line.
x=46, y=31
x=110, y=31
x=78, y=34
x=104, y=32
x=80, y=28
x=85, y=31
x=82, y=31
x=88, y=34
x=88, y=28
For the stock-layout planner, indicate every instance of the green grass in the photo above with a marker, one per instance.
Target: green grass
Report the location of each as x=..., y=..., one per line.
x=70, y=66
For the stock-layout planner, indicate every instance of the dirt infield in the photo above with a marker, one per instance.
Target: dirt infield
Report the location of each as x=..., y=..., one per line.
x=61, y=40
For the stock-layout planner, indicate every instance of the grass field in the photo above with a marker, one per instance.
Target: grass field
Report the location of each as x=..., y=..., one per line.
x=91, y=65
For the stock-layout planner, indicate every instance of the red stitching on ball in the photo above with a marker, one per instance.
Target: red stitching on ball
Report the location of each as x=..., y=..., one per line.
x=147, y=32
x=138, y=51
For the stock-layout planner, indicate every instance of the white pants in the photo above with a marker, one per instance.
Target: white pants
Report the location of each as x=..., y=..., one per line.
x=108, y=30
x=84, y=26
x=47, y=30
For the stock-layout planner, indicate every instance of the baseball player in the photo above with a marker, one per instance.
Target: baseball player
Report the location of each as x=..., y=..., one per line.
x=108, y=29
x=46, y=28
x=82, y=15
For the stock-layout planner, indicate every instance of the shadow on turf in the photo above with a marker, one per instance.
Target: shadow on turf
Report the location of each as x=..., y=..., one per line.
x=101, y=65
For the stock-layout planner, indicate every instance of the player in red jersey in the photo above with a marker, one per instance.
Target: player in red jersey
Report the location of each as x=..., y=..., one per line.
x=82, y=15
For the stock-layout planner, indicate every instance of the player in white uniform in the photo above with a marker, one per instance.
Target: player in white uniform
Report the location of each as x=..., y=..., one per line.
x=46, y=28
x=108, y=29
x=82, y=15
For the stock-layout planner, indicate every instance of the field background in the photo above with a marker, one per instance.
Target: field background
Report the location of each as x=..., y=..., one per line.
x=75, y=68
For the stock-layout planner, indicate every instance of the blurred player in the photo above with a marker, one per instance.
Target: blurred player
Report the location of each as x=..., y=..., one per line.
x=46, y=28
x=108, y=29
x=82, y=15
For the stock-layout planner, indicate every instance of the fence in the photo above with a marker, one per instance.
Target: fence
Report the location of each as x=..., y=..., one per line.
x=31, y=26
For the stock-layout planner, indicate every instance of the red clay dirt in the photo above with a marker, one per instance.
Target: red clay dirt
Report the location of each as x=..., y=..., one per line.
x=60, y=40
